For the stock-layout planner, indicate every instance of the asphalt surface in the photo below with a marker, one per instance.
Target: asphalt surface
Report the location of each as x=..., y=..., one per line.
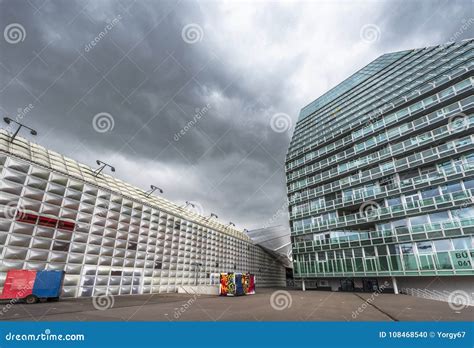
x=265, y=305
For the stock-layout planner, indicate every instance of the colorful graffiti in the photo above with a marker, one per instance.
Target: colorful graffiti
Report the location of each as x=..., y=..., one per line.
x=237, y=284
x=223, y=289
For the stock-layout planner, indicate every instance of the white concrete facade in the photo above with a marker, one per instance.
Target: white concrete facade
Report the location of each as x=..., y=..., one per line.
x=108, y=236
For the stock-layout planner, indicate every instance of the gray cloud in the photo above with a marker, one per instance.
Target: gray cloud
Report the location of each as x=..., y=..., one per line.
x=253, y=60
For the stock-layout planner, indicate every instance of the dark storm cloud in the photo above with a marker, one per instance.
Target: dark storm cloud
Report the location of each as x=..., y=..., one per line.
x=194, y=118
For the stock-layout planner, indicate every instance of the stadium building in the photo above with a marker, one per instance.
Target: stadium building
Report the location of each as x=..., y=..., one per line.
x=380, y=177
x=109, y=236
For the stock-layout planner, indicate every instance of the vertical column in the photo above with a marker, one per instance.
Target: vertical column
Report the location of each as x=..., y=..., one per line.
x=395, y=285
x=303, y=285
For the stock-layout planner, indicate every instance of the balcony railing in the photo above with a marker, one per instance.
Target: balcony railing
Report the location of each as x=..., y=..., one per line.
x=386, y=236
x=413, y=161
x=395, y=149
x=351, y=122
x=460, y=198
x=444, y=72
x=389, y=135
x=412, y=184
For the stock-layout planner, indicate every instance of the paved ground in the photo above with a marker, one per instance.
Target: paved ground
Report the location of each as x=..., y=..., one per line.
x=266, y=305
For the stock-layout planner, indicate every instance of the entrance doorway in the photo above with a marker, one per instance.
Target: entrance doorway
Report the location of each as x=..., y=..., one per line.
x=347, y=285
x=370, y=285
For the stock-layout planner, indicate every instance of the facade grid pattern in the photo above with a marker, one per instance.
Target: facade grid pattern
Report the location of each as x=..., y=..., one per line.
x=380, y=176
x=108, y=242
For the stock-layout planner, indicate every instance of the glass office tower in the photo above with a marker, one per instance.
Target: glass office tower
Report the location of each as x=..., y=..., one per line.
x=108, y=236
x=380, y=176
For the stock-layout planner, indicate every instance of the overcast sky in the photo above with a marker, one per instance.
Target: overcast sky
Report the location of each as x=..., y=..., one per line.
x=198, y=98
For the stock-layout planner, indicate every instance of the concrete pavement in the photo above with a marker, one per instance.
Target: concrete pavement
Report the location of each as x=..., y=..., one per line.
x=265, y=305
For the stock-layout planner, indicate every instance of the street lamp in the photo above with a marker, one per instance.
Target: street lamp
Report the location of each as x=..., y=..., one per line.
x=188, y=204
x=153, y=189
x=212, y=216
x=231, y=224
x=102, y=166
x=8, y=120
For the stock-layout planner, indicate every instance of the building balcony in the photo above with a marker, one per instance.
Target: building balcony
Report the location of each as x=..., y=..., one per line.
x=438, y=203
x=421, y=182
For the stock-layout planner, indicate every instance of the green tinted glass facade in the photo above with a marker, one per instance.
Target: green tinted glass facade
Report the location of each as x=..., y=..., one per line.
x=380, y=170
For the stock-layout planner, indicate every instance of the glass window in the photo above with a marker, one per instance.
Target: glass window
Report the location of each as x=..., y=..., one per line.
x=470, y=158
x=348, y=264
x=382, y=250
x=464, y=213
x=412, y=198
x=402, y=112
x=406, y=248
x=463, y=141
x=396, y=263
x=410, y=262
x=445, y=166
x=442, y=245
x=443, y=261
x=394, y=201
x=469, y=184
x=393, y=249
x=383, y=263
x=359, y=265
x=348, y=253
x=416, y=107
x=430, y=193
x=369, y=251
x=358, y=252
x=461, y=243
x=424, y=247
x=381, y=227
x=439, y=217
x=347, y=193
x=400, y=223
x=451, y=188
x=419, y=220
x=426, y=262
x=370, y=265
x=387, y=166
